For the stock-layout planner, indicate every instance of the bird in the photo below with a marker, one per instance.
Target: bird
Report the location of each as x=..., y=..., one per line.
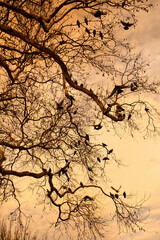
x=62, y=42
x=90, y=169
x=98, y=127
x=134, y=86
x=101, y=35
x=104, y=144
x=81, y=184
x=59, y=105
x=112, y=195
x=87, y=30
x=126, y=25
x=75, y=112
x=116, y=195
x=91, y=179
x=87, y=198
x=123, y=4
x=87, y=137
x=105, y=158
x=146, y=109
x=78, y=23
x=98, y=159
x=124, y=194
x=110, y=151
x=129, y=116
x=98, y=14
x=94, y=32
x=86, y=20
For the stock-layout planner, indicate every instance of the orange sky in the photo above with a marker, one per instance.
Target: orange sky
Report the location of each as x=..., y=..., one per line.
x=142, y=157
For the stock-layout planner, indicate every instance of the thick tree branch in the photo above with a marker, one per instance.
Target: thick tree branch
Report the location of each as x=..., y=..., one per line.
x=58, y=60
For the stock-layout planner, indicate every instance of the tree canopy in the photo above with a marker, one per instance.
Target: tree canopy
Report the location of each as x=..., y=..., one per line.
x=67, y=73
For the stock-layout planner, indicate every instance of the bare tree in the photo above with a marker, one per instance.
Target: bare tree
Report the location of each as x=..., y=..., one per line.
x=54, y=56
x=9, y=231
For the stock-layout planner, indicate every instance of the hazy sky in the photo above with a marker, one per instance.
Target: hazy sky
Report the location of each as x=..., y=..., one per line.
x=142, y=157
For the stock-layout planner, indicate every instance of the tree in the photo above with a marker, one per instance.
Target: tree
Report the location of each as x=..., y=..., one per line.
x=53, y=57
x=10, y=232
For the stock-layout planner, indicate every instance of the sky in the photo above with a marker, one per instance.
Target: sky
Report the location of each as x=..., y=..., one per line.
x=141, y=174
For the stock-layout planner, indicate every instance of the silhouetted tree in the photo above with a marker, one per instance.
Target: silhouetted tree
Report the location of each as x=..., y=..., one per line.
x=51, y=106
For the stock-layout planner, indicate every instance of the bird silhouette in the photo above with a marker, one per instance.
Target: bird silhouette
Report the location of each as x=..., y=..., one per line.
x=116, y=196
x=94, y=32
x=105, y=158
x=87, y=30
x=124, y=194
x=81, y=184
x=59, y=105
x=98, y=127
x=87, y=137
x=101, y=35
x=134, y=86
x=126, y=25
x=123, y=4
x=104, y=144
x=110, y=151
x=86, y=20
x=98, y=14
x=78, y=23
x=87, y=198
x=129, y=116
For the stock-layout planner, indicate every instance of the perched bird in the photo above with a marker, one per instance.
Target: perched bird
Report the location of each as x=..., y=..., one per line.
x=146, y=109
x=101, y=35
x=124, y=194
x=81, y=184
x=119, y=91
x=62, y=42
x=86, y=20
x=91, y=179
x=105, y=158
x=94, y=32
x=59, y=105
x=126, y=25
x=134, y=86
x=129, y=116
x=98, y=159
x=98, y=14
x=116, y=196
x=75, y=112
x=78, y=23
x=123, y=4
x=90, y=169
x=112, y=195
x=104, y=144
x=87, y=137
x=88, y=198
x=110, y=151
x=87, y=30
x=98, y=127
